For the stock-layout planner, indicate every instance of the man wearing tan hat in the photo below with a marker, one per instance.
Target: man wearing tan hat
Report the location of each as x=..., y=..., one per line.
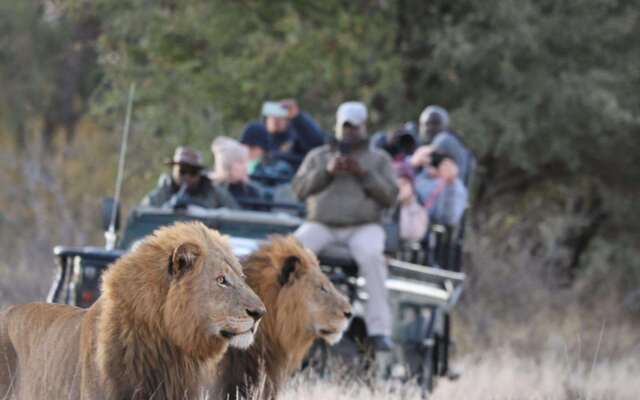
x=346, y=187
x=187, y=185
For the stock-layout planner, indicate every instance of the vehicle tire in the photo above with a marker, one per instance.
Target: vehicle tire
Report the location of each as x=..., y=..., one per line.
x=426, y=379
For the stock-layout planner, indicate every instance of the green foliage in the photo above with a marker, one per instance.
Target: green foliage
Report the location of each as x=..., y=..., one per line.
x=532, y=85
x=542, y=91
x=29, y=46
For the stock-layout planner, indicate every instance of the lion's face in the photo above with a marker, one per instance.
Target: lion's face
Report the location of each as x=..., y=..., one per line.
x=208, y=297
x=322, y=309
x=329, y=309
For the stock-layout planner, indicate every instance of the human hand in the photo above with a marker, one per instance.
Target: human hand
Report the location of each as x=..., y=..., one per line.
x=180, y=200
x=448, y=170
x=292, y=107
x=353, y=167
x=335, y=165
x=421, y=157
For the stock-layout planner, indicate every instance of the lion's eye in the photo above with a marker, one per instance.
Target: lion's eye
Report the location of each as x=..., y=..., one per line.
x=222, y=280
x=323, y=289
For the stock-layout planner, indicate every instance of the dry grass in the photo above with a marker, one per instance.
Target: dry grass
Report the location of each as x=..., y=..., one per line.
x=497, y=375
x=502, y=375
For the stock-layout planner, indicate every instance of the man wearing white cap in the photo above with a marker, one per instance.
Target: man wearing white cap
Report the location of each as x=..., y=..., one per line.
x=346, y=186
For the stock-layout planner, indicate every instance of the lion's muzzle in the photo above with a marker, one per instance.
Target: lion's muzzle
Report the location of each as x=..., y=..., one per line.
x=241, y=331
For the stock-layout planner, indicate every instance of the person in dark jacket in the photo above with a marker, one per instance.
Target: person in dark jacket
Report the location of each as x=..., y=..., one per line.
x=347, y=186
x=292, y=132
x=187, y=185
x=399, y=143
x=262, y=167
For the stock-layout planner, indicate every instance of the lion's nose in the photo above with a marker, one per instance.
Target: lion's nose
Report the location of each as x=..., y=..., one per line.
x=256, y=314
x=347, y=314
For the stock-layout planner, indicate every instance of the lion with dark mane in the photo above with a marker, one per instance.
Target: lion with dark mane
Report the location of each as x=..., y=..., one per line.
x=302, y=305
x=168, y=311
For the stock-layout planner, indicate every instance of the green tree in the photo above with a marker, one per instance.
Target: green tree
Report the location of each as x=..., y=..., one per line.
x=48, y=68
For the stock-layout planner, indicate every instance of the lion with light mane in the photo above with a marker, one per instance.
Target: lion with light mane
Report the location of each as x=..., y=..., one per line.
x=168, y=311
x=302, y=305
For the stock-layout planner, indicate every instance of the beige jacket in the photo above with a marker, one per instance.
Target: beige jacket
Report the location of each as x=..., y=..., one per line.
x=344, y=199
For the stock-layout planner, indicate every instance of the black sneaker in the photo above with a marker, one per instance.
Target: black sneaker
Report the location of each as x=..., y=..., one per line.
x=381, y=342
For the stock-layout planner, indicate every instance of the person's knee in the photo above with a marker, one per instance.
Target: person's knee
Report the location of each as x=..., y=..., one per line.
x=313, y=235
x=308, y=229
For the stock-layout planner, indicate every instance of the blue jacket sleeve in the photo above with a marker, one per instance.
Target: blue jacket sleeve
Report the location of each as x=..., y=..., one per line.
x=308, y=133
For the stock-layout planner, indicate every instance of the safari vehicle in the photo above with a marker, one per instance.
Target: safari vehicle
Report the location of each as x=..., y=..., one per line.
x=421, y=296
x=79, y=268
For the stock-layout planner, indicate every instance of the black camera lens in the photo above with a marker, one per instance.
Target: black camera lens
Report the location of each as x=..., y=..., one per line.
x=437, y=158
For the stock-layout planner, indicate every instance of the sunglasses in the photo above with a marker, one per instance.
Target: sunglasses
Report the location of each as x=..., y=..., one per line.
x=187, y=170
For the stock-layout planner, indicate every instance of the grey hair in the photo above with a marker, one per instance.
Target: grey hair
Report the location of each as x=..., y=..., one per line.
x=434, y=109
x=226, y=151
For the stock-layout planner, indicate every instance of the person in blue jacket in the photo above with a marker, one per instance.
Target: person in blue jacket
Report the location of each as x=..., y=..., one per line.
x=435, y=131
x=262, y=167
x=292, y=132
x=440, y=189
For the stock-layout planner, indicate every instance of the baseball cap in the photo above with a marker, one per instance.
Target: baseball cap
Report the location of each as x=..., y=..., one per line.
x=255, y=134
x=353, y=112
x=274, y=109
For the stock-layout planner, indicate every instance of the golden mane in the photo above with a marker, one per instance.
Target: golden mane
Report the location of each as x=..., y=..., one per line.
x=286, y=276
x=148, y=335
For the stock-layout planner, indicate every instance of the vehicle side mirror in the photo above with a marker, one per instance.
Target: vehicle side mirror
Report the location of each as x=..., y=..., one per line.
x=109, y=206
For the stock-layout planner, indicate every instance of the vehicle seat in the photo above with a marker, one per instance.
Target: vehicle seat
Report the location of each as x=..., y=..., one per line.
x=338, y=255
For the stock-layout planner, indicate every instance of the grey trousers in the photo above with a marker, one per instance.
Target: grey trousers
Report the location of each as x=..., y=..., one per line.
x=366, y=244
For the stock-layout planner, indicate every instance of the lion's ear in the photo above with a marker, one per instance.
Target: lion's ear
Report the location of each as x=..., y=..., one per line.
x=288, y=270
x=183, y=258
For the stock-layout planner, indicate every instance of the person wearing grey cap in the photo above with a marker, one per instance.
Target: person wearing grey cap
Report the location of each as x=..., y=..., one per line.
x=292, y=132
x=187, y=185
x=346, y=187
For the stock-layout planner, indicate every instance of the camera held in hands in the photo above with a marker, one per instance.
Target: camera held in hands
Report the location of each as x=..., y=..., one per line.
x=401, y=142
x=437, y=158
x=344, y=148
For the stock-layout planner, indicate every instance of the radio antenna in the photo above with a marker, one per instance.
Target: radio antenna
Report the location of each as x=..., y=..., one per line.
x=110, y=234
